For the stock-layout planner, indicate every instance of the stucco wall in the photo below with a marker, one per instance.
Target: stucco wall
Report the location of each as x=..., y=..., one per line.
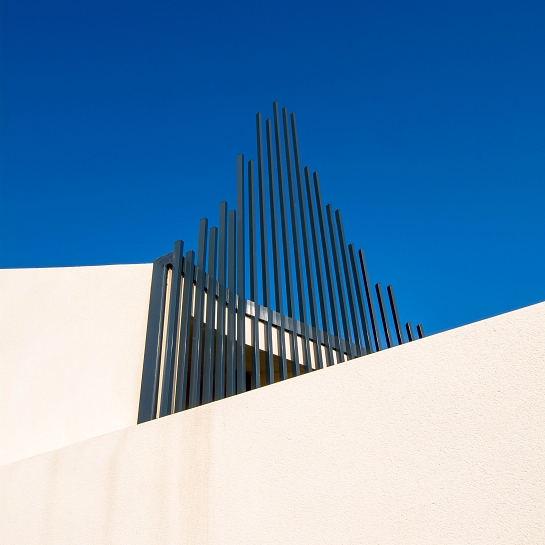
x=440, y=441
x=71, y=352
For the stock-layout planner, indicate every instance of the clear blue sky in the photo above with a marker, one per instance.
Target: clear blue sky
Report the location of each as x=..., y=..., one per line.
x=121, y=122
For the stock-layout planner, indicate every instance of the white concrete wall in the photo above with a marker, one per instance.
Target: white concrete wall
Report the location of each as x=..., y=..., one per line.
x=71, y=353
x=440, y=441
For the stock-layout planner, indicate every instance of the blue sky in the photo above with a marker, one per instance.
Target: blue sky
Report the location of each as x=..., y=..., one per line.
x=121, y=123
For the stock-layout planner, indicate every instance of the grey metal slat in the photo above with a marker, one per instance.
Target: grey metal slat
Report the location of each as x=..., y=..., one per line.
x=241, y=272
x=384, y=316
x=307, y=258
x=360, y=297
x=198, y=319
x=328, y=268
x=350, y=290
x=254, y=295
x=185, y=329
x=147, y=408
x=219, y=376
x=339, y=281
x=324, y=312
x=231, y=354
x=370, y=303
x=277, y=269
x=410, y=331
x=286, y=249
x=172, y=330
x=395, y=314
x=420, y=329
x=269, y=356
x=208, y=356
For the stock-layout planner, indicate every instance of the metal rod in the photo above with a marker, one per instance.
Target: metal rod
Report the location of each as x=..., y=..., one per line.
x=410, y=331
x=219, y=386
x=185, y=329
x=384, y=316
x=172, y=329
x=340, y=284
x=370, y=303
x=277, y=269
x=265, y=285
x=324, y=312
x=328, y=268
x=301, y=296
x=208, y=357
x=360, y=297
x=241, y=272
x=198, y=319
x=420, y=329
x=360, y=347
x=147, y=408
x=395, y=314
x=254, y=289
x=231, y=354
x=307, y=258
x=286, y=249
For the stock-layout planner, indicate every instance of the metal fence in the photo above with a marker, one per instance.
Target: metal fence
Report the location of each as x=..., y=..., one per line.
x=309, y=302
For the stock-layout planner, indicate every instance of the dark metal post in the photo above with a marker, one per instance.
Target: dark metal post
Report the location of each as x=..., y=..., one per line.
x=324, y=312
x=172, y=329
x=395, y=314
x=328, y=268
x=231, y=355
x=198, y=319
x=307, y=258
x=219, y=387
x=208, y=358
x=286, y=244
x=360, y=297
x=384, y=316
x=241, y=291
x=185, y=329
x=269, y=361
x=410, y=331
x=277, y=270
x=420, y=329
x=147, y=409
x=349, y=285
x=370, y=303
x=254, y=295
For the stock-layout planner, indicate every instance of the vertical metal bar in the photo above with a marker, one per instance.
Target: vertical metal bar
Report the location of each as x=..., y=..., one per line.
x=370, y=303
x=420, y=329
x=269, y=361
x=219, y=386
x=241, y=273
x=286, y=250
x=360, y=297
x=208, y=356
x=384, y=316
x=185, y=329
x=301, y=296
x=231, y=356
x=277, y=270
x=349, y=286
x=395, y=314
x=172, y=330
x=147, y=408
x=198, y=319
x=324, y=312
x=328, y=268
x=309, y=280
x=410, y=331
x=254, y=289
x=340, y=284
